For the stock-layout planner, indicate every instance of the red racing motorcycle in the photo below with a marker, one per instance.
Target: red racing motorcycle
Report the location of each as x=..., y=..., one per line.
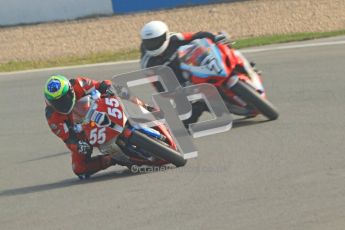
x=104, y=125
x=204, y=61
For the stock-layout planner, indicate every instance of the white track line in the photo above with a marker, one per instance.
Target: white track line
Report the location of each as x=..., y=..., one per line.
x=285, y=47
x=254, y=50
x=70, y=67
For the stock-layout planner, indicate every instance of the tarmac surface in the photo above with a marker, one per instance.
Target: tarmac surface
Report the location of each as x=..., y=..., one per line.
x=285, y=174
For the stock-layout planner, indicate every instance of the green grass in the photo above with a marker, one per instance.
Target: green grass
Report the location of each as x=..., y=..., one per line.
x=69, y=61
x=273, y=39
x=134, y=54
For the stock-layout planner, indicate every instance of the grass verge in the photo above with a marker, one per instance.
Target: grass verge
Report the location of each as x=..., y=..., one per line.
x=134, y=54
x=281, y=38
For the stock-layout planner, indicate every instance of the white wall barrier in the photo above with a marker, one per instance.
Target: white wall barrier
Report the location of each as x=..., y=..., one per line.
x=14, y=12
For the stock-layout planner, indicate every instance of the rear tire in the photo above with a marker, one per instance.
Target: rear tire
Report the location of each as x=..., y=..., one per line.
x=157, y=149
x=250, y=96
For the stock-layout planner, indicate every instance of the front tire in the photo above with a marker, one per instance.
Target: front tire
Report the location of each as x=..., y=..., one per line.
x=250, y=96
x=157, y=149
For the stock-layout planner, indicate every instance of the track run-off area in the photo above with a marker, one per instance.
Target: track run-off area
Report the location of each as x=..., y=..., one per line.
x=284, y=174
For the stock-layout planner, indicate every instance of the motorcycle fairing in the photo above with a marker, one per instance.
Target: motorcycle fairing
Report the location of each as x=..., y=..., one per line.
x=202, y=59
x=83, y=110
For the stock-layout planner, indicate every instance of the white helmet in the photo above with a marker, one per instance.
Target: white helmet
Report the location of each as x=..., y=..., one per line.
x=155, y=37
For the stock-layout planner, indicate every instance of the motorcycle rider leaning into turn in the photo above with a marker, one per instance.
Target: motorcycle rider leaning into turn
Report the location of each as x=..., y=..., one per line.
x=61, y=95
x=159, y=47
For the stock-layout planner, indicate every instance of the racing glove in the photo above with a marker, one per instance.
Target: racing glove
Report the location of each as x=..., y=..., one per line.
x=223, y=38
x=105, y=89
x=84, y=147
x=109, y=93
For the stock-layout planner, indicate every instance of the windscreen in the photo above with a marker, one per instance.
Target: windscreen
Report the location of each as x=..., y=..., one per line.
x=202, y=58
x=81, y=108
x=194, y=54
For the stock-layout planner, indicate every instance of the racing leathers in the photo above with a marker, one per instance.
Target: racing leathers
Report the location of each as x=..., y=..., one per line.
x=170, y=58
x=62, y=125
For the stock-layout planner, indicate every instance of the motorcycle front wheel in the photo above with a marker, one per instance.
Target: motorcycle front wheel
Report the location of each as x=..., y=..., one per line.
x=251, y=96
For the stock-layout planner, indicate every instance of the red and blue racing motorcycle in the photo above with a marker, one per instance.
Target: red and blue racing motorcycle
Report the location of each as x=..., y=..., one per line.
x=240, y=85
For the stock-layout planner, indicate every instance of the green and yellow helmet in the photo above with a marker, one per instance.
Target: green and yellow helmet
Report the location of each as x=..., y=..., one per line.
x=59, y=93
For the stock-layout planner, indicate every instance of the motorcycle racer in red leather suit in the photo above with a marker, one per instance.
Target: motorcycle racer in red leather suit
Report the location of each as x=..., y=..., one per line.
x=61, y=95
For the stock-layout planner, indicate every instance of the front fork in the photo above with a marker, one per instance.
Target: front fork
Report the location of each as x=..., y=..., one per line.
x=234, y=102
x=248, y=75
x=251, y=77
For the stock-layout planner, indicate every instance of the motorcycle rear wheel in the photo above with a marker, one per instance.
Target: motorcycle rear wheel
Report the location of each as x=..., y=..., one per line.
x=251, y=96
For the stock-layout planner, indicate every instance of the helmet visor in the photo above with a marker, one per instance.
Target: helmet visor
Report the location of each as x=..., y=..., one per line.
x=65, y=103
x=154, y=43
